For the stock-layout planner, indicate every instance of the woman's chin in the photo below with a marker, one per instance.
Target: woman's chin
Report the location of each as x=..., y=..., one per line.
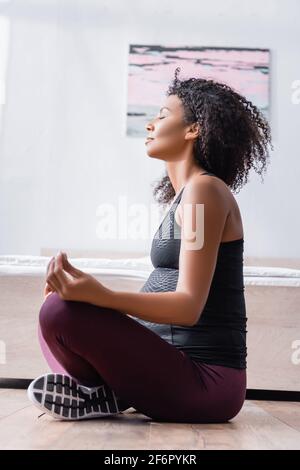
x=154, y=156
x=150, y=154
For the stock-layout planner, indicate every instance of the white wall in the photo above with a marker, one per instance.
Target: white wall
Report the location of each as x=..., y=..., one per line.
x=63, y=145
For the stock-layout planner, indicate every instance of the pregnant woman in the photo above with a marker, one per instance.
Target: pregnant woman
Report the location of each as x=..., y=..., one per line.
x=175, y=350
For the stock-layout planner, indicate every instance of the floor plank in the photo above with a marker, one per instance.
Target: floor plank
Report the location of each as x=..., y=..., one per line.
x=259, y=425
x=253, y=428
x=12, y=400
x=287, y=412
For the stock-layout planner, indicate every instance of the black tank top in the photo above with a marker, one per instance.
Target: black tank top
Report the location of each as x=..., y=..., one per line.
x=219, y=337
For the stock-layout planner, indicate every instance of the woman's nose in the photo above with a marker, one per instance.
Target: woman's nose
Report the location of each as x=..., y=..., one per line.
x=148, y=126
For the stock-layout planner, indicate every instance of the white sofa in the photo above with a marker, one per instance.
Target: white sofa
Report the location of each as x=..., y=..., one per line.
x=272, y=300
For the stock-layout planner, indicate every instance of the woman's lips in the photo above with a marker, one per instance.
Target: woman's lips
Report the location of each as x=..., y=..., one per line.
x=148, y=140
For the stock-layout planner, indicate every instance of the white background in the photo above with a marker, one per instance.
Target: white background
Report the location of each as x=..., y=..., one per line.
x=63, y=144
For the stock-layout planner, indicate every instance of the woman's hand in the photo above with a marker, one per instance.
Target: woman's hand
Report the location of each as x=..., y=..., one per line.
x=47, y=289
x=72, y=284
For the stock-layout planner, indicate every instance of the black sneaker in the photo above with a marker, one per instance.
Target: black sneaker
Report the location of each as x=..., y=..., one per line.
x=61, y=397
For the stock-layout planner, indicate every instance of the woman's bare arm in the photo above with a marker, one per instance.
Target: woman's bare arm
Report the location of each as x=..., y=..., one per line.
x=159, y=307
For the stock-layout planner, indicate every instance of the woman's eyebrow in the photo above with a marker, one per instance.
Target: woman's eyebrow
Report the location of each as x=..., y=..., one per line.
x=164, y=107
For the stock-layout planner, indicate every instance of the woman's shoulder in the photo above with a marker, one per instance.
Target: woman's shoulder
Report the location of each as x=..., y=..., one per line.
x=207, y=185
x=202, y=188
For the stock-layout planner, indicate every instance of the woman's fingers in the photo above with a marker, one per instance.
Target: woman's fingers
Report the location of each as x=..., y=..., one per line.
x=48, y=265
x=48, y=281
x=69, y=268
x=59, y=274
x=58, y=270
x=54, y=289
x=47, y=288
x=51, y=279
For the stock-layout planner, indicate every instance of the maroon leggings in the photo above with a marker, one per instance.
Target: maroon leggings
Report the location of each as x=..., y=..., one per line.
x=97, y=345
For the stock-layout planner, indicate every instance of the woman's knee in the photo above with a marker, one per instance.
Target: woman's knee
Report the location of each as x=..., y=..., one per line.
x=53, y=314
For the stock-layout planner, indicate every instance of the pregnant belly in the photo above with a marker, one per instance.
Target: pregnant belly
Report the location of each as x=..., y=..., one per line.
x=161, y=280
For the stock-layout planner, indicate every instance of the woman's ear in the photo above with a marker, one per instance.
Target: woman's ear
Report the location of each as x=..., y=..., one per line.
x=193, y=131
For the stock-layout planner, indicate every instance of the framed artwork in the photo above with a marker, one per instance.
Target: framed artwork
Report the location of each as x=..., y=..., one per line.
x=151, y=69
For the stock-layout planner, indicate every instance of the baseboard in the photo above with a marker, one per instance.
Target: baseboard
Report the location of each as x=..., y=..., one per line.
x=251, y=394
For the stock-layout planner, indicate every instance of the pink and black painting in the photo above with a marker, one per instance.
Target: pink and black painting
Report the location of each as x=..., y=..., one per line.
x=151, y=70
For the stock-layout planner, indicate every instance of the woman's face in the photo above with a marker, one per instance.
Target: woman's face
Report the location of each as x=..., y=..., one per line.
x=168, y=131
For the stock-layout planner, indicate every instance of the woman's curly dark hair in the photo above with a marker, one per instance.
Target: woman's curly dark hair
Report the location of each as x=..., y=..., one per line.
x=234, y=134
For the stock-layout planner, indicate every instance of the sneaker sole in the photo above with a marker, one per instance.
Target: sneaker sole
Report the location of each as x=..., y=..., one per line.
x=61, y=397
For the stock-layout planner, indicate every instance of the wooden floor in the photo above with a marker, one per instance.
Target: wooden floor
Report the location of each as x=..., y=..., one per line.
x=260, y=425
